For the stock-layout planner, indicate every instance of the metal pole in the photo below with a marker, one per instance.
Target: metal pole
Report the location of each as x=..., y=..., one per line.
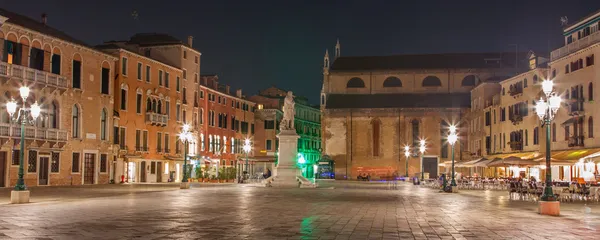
x=185, y=156
x=548, y=194
x=406, y=169
x=422, y=169
x=453, y=183
x=20, y=186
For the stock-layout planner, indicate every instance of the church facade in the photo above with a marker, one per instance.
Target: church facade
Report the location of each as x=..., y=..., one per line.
x=372, y=107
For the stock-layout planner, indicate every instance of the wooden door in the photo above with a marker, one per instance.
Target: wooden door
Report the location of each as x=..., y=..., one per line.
x=43, y=171
x=89, y=168
x=3, y=168
x=430, y=165
x=143, y=172
x=159, y=172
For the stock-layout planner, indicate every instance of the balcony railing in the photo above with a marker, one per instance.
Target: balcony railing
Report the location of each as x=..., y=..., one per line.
x=576, y=107
x=516, y=146
x=35, y=133
x=32, y=75
x=516, y=119
x=141, y=149
x=576, y=141
x=156, y=119
x=575, y=46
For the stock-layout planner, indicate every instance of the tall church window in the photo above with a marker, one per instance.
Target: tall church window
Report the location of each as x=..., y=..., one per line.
x=376, y=125
x=415, y=132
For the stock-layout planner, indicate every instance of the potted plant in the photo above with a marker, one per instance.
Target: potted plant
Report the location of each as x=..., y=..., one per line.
x=206, y=175
x=199, y=175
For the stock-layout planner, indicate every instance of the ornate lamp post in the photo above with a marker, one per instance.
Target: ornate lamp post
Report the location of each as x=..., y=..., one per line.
x=20, y=194
x=422, y=150
x=247, y=147
x=452, y=138
x=546, y=109
x=407, y=155
x=186, y=137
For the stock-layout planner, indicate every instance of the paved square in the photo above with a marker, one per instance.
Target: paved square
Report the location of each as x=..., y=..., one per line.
x=350, y=211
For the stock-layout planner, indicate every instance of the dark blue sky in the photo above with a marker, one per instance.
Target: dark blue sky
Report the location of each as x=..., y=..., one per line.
x=256, y=44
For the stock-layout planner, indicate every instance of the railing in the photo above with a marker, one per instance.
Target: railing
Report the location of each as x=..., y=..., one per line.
x=141, y=149
x=33, y=75
x=156, y=119
x=31, y=132
x=576, y=141
x=575, y=46
x=516, y=91
x=576, y=107
x=122, y=146
x=516, y=146
x=158, y=150
x=516, y=119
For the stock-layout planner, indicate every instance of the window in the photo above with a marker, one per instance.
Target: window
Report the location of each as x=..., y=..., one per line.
x=526, y=138
x=103, y=163
x=103, y=124
x=184, y=74
x=195, y=98
x=77, y=74
x=32, y=161
x=184, y=54
x=536, y=136
x=138, y=103
x=168, y=109
x=269, y=124
x=177, y=84
x=196, y=59
x=122, y=138
x=591, y=127
x=184, y=116
x=16, y=156
x=525, y=83
x=469, y=81
x=376, y=125
x=553, y=73
x=591, y=92
x=355, y=83
x=503, y=91
x=75, y=121
x=139, y=71
x=166, y=79
x=115, y=135
x=431, y=81
x=123, y=97
x=589, y=61
x=166, y=143
x=567, y=132
x=392, y=82
x=53, y=115
x=184, y=96
x=269, y=144
x=159, y=142
x=567, y=68
x=160, y=77
x=177, y=147
x=415, y=132
x=195, y=78
x=75, y=163
x=178, y=112
x=148, y=74
x=55, y=162
x=535, y=79
x=138, y=139
x=124, y=66
x=152, y=167
x=145, y=140
x=487, y=118
x=105, y=80
x=251, y=127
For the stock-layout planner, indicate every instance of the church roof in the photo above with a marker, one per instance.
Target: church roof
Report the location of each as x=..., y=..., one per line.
x=431, y=61
x=401, y=100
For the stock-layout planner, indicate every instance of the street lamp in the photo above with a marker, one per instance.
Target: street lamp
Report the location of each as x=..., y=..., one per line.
x=546, y=109
x=452, y=138
x=34, y=110
x=247, y=149
x=422, y=150
x=185, y=136
x=407, y=155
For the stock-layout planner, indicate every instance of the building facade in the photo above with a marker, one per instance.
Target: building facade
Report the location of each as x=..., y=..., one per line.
x=70, y=143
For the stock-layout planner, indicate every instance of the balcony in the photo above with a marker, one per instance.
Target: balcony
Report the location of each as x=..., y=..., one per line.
x=33, y=76
x=33, y=133
x=167, y=150
x=515, y=119
x=516, y=146
x=575, y=46
x=576, y=141
x=156, y=119
x=514, y=91
x=141, y=149
x=576, y=107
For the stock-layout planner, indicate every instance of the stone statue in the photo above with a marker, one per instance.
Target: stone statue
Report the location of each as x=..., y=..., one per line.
x=288, y=113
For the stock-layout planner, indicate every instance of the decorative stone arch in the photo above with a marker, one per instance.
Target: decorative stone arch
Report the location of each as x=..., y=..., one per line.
x=140, y=91
x=47, y=47
x=124, y=86
x=12, y=36
x=149, y=92
x=161, y=96
x=392, y=82
x=469, y=81
x=355, y=82
x=78, y=57
x=36, y=43
x=23, y=39
x=535, y=79
x=431, y=81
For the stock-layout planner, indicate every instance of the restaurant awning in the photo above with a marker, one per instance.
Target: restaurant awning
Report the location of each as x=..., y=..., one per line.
x=483, y=163
x=470, y=163
x=521, y=155
x=512, y=161
x=571, y=156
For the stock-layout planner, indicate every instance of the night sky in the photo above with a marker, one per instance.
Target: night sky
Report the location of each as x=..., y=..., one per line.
x=256, y=44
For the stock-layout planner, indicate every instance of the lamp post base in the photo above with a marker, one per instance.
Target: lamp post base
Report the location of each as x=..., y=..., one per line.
x=18, y=197
x=551, y=208
x=184, y=185
x=454, y=189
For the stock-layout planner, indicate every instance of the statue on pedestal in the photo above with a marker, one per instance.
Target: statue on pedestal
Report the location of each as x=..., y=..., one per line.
x=287, y=123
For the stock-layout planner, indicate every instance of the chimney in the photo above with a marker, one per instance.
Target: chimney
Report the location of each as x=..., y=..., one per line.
x=44, y=18
x=227, y=89
x=190, y=40
x=238, y=93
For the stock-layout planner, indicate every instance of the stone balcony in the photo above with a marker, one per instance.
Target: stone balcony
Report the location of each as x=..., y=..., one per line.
x=33, y=133
x=33, y=76
x=575, y=46
x=156, y=119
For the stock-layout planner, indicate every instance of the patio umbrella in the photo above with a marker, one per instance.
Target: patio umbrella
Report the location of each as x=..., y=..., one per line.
x=513, y=161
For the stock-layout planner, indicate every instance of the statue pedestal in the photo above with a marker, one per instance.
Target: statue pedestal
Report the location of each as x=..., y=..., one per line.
x=286, y=171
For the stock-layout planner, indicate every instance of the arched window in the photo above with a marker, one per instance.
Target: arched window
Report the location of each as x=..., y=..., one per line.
x=535, y=79
x=124, y=89
x=392, y=82
x=431, y=81
x=415, y=132
x=53, y=115
x=323, y=99
x=503, y=91
x=75, y=122
x=469, y=81
x=553, y=73
x=103, y=124
x=355, y=83
x=154, y=105
x=591, y=127
x=376, y=125
x=526, y=138
x=159, y=107
x=591, y=91
x=148, y=105
x=536, y=136
x=554, y=132
x=525, y=83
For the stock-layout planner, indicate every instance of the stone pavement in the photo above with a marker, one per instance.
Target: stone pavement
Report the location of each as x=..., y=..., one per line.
x=350, y=211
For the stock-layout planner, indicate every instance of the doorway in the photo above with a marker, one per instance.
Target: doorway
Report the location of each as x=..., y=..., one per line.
x=143, y=172
x=159, y=172
x=3, y=169
x=430, y=165
x=43, y=171
x=89, y=167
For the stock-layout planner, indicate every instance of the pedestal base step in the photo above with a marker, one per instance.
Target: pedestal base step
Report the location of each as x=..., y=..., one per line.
x=18, y=197
x=551, y=208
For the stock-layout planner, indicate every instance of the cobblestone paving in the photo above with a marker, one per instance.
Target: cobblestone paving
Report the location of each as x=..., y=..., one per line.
x=350, y=211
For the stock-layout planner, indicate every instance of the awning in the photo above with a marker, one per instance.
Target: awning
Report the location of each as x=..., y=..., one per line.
x=521, y=155
x=572, y=120
x=570, y=155
x=483, y=163
x=256, y=159
x=470, y=163
x=512, y=161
